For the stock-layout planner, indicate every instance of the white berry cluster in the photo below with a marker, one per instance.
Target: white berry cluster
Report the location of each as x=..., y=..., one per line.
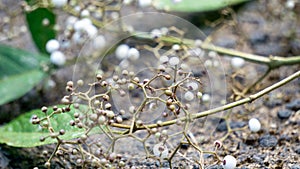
x=125, y=53
x=56, y=56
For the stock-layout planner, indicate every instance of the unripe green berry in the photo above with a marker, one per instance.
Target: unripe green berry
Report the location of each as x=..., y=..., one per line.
x=107, y=106
x=159, y=123
x=110, y=114
x=80, y=125
x=130, y=86
x=80, y=82
x=47, y=164
x=168, y=92
x=99, y=77
x=70, y=84
x=93, y=117
x=105, y=97
x=101, y=120
x=76, y=115
x=44, y=109
x=119, y=119
x=172, y=107
x=97, y=102
x=136, y=79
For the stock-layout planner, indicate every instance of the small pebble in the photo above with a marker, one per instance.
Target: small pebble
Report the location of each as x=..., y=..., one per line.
x=273, y=102
x=235, y=124
x=293, y=105
x=284, y=114
x=268, y=141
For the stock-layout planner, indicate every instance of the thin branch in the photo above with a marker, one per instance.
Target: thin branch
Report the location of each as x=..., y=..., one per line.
x=218, y=109
x=272, y=61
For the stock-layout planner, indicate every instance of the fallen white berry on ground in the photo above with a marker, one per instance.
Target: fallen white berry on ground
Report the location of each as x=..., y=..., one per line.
x=59, y=3
x=237, y=62
x=144, y=3
x=122, y=51
x=58, y=58
x=254, y=125
x=229, y=162
x=52, y=45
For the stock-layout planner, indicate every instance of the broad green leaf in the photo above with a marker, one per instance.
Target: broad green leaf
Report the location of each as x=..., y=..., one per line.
x=17, y=85
x=20, y=71
x=193, y=5
x=21, y=133
x=41, y=25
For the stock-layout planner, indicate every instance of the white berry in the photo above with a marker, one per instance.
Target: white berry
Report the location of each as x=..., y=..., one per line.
x=290, y=4
x=163, y=59
x=52, y=45
x=254, y=125
x=176, y=47
x=229, y=162
x=85, y=13
x=174, y=61
x=99, y=42
x=82, y=24
x=122, y=51
x=133, y=54
x=144, y=3
x=156, y=33
x=58, y=58
x=59, y=3
x=78, y=37
x=127, y=2
x=91, y=30
x=205, y=97
x=189, y=96
x=237, y=62
x=199, y=95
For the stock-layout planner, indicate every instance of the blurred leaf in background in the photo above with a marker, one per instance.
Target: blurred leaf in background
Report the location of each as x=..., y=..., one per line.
x=193, y=5
x=41, y=24
x=20, y=71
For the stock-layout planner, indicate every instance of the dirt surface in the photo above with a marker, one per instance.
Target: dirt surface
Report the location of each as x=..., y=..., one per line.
x=260, y=27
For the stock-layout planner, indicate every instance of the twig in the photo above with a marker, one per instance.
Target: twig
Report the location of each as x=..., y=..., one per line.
x=218, y=109
x=272, y=61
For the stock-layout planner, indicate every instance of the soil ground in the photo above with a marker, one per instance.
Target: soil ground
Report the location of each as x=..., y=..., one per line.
x=261, y=27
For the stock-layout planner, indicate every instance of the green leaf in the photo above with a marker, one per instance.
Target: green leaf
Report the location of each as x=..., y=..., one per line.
x=20, y=71
x=21, y=133
x=41, y=33
x=193, y=5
